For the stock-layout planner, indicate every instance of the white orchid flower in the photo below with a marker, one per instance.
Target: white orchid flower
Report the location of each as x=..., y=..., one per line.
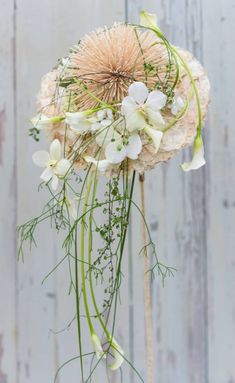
x=177, y=105
x=117, y=354
x=41, y=121
x=100, y=353
x=198, y=156
x=80, y=122
x=142, y=110
x=129, y=147
x=56, y=166
x=102, y=165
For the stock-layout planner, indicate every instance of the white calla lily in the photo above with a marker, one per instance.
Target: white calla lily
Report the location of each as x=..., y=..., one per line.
x=56, y=167
x=100, y=353
x=117, y=354
x=41, y=121
x=198, y=156
x=148, y=20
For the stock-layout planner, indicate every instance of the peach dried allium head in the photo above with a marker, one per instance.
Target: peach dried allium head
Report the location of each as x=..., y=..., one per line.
x=107, y=61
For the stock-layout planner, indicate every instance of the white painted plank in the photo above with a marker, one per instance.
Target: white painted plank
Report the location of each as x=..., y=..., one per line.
x=7, y=197
x=220, y=60
x=43, y=37
x=177, y=225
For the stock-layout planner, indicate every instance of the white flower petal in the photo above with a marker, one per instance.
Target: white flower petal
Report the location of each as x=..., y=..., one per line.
x=138, y=91
x=55, y=150
x=75, y=118
x=134, y=147
x=115, y=152
x=118, y=355
x=82, y=127
x=155, y=118
x=135, y=121
x=97, y=347
x=156, y=100
x=198, y=156
x=80, y=122
x=156, y=136
x=128, y=106
x=47, y=174
x=62, y=167
x=41, y=158
x=54, y=182
x=105, y=114
x=106, y=135
x=102, y=165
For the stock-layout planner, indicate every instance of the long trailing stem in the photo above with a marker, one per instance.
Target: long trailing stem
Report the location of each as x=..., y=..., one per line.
x=82, y=255
x=78, y=306
x=147, y=294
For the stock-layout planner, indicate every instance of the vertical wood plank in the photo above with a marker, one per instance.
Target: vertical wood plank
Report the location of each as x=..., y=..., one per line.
x=220, y=60
x=46, y=30
x=7, y=196
x=177, y=223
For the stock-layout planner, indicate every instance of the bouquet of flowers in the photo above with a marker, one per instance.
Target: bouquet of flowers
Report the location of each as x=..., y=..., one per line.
x=122, y=101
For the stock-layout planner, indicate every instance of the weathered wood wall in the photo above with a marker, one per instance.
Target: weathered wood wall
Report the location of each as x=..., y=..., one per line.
x=192, y=216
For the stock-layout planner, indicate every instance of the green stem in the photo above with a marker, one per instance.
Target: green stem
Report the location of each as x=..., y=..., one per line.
x=82, y=249
x=78, y=307
x=193, y=86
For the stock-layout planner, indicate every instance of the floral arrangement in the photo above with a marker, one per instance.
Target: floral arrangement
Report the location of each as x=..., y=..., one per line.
x=121, y=102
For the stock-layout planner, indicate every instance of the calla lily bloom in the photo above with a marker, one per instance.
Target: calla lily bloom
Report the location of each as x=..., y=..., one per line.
x=117, y=354
x=100, y=353
x=55, y=165
x=41, y=121
x=148, y=20
x=198, y=156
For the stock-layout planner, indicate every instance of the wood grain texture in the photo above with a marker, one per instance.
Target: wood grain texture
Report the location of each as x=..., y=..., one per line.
x=8, y=305
x=192, y=216
x=220, y=175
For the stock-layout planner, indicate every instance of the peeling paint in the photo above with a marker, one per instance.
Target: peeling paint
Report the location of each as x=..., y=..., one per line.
x=3, y=377
x=2, y=132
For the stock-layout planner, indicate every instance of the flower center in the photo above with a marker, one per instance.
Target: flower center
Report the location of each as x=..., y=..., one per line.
x=51, y=163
